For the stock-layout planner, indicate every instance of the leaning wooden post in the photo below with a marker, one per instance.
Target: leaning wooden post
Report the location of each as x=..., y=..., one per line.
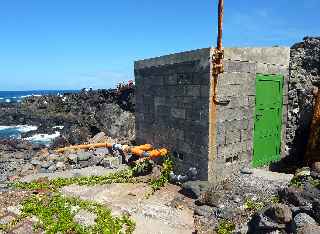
x=313, y=149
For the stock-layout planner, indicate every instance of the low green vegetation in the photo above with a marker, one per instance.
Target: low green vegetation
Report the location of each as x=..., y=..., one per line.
x=167, y=167
x=225, y=227
x=124, y=176
x=275, y=199
x=56, y=212
x=252, y=205
x=56, y=215
x=296, y=182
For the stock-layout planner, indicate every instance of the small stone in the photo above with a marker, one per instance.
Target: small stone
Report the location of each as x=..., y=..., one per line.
x=316, y=167
x=35, y=162
x=60, y=165
x=7, y=219
x=85, y=218
x=84, y=156
x=302, y=219
x=14, y=209
x=84, y=164
x=236, y=198
x=73, y=158
x=110, y=162
x=102, y=152
x=52, y=168
x=309, y=229
x=53, y=157
x=246, y=170
x=205, y=211
x=46, y=165
x=43, y=170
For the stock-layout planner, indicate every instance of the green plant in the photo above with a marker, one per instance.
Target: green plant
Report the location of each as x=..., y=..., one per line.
x=252, y=205
x=296, y=182
x=315, y=183
x=275, y=199
x=124, y=176
x=225, y=227
x=142, y=168
x=56, y=215
x=167, y=167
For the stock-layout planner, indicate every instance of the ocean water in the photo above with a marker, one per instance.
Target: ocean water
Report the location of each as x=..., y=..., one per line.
x=14, y=132
x=17, y=96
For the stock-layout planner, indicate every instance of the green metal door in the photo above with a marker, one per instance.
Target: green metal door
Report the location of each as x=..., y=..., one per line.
x=268, y=119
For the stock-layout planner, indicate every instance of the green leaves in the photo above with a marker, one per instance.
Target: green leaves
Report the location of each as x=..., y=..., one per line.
x=56, y=215
x=156, y=184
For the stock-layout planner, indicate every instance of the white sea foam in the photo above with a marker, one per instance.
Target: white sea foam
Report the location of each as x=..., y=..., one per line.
x=25, y=96
x=7, y=100
x=43, y=138
x=20, y=128
x=27, y=128
x=58, y=127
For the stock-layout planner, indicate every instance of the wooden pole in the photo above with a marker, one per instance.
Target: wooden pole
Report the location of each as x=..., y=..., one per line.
x=220, y=24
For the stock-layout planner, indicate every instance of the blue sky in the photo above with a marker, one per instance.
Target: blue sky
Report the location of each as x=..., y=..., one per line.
x=71, y=44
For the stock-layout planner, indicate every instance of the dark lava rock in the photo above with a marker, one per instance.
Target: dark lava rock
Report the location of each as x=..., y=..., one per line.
x=205, y=211
x=304, y=76
x=194, y=189
x=280, y=213
x=82, y=114
x=267, y=220
x=316, y=210
x=293, y=196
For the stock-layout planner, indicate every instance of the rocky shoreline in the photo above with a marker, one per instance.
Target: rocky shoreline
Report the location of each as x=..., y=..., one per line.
x=82, y=115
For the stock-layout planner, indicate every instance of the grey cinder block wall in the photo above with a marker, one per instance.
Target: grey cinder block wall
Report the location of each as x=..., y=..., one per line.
x=174, y=106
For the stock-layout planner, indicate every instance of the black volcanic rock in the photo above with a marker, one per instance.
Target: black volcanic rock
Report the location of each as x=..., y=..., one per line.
x=82, y=114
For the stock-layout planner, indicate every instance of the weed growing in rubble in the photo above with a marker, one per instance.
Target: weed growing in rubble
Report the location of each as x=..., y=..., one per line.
x=142, y=168
x=252, y=205
x=56, y=215
x=225, y=227
x=160, y=182
x=296, y=182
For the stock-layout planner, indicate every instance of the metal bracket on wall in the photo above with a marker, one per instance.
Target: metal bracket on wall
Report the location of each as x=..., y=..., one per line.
x=218, y=68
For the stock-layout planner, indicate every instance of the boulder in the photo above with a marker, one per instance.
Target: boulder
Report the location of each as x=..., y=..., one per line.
x=194, y=189
x=293, y=196
x=301, y=220
x=280, y=213
x=205, y=211
x=84, y=156
x=46, y=165
x=111, y=162
x=261, y=223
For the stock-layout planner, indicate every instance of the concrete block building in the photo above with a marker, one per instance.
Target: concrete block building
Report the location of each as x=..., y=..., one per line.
x=243, y=124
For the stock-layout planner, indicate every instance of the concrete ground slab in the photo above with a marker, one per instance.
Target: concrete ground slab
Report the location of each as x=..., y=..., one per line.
x=153, y=215
x=272, y=176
